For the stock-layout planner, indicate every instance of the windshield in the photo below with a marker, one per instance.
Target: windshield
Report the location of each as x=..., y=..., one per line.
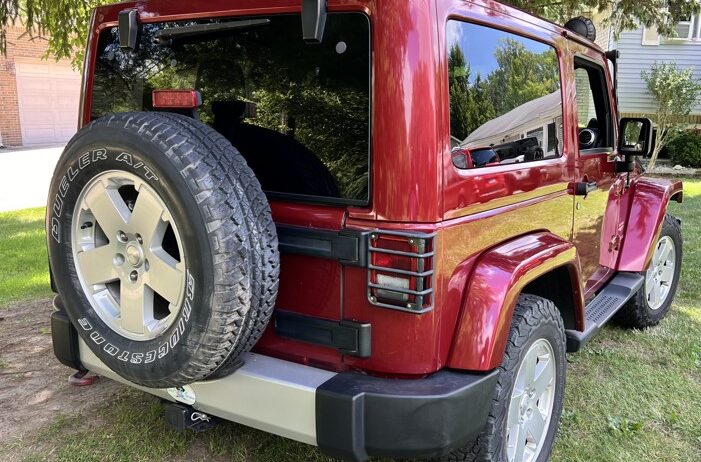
x=298, y=113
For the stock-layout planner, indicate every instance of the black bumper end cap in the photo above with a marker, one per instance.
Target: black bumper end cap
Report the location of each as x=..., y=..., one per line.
x=358, y=416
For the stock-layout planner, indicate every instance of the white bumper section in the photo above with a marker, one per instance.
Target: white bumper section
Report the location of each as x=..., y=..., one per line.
x=266, y=393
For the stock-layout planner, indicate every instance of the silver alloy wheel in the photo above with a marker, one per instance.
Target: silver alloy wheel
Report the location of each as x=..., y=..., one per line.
x=128, y=255
x=659, y=277
x=531, y=403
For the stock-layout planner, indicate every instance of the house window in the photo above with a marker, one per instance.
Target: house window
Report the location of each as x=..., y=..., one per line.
x=686, y=31
x=689, y=29
x=651, y=36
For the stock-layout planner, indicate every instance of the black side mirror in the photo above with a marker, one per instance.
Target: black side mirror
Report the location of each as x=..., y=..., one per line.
x=635, y=137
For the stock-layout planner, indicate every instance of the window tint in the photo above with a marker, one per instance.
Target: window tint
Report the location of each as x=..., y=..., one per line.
x=593, y=110
x=504, y=96
x=298, y=113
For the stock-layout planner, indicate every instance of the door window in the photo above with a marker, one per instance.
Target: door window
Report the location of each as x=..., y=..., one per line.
x=505, y=101
x=593, y=109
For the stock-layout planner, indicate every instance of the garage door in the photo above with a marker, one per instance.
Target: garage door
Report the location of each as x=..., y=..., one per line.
x=48, y=94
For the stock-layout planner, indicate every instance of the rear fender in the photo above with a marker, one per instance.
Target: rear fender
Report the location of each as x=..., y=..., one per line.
x=498, y=278
x=647, y=211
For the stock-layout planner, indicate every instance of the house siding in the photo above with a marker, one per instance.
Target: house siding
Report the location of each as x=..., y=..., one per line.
x=636, y=57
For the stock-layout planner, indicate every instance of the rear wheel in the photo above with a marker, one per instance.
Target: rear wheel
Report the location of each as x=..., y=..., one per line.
x=527, y=402
x=653, y=301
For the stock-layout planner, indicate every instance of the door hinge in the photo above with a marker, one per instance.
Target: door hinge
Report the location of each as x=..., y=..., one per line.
x=615, y=243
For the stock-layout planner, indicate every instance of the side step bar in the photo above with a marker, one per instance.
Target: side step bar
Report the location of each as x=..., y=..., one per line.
x=601, y=309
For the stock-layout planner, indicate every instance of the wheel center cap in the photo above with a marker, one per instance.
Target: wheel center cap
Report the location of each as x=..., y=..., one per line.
x=134, y=254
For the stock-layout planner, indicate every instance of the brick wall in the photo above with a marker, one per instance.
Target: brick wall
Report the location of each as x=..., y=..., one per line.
x=19, y=44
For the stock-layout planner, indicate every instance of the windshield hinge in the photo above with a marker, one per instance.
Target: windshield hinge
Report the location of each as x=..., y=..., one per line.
x=313, y=20
x=128, y=28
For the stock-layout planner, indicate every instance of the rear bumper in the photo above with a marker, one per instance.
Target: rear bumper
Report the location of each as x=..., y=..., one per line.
x=348, y=415
x=359, y=416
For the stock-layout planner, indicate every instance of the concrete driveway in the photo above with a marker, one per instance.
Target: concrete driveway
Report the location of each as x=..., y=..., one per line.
x=25, y=174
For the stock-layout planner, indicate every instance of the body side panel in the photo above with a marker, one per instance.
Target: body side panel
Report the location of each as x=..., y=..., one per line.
x=648, y=206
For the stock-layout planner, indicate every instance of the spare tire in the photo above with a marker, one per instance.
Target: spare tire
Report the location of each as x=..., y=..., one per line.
x=162, y=247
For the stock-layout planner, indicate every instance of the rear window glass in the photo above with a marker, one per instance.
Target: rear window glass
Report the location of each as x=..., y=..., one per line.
x=299, y=113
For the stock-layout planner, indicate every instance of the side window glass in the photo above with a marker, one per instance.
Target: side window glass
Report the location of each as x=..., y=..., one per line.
x=593, y=109
x=505, y=101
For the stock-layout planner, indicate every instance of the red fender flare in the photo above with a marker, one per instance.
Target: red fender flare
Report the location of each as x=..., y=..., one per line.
x=644, y=224
x=499, y=276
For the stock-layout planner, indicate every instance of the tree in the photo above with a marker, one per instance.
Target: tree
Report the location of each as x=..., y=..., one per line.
x=470, y=102
x=66, y=23
x=460, y=96
x=483, y=109
x=675, y=92
x=522, y=75
x=621, y=14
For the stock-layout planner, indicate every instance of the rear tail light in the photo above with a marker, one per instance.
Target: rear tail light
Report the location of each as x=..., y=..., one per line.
x=400, y=270
x=176, y=99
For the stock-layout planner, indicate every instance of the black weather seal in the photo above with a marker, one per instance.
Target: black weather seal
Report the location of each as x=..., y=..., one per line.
x=348, y=337
x=348, y=246
x=128, y=29
x=165, y=36
x=313, y=20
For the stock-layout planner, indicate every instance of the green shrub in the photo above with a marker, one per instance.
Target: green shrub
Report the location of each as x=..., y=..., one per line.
x=685, y=149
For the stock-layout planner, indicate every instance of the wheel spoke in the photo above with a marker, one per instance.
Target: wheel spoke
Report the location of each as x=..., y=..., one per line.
x=109, y=209
x=136, y=303
x=667, y=273
x=165, y=276
x=529, y=366
x=668, y=254
x=659, y=252
x=535, y=426
x=655, y=294
x=146, y=216
x=544, y=378
x=514, y=410
x=96, y=265
x=650, y=277
x=519, y=444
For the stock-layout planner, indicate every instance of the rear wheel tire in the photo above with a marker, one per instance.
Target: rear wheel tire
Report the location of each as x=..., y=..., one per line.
x=654, y=299
x=150, y=195
x=527, y=402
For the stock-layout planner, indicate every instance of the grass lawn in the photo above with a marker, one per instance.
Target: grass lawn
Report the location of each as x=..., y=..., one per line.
x=23, y=266
x=631, y=395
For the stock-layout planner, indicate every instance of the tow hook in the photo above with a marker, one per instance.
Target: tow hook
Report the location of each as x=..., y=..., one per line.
x=181, y=417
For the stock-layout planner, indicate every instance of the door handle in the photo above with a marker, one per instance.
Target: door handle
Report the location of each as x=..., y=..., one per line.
x=582, y=188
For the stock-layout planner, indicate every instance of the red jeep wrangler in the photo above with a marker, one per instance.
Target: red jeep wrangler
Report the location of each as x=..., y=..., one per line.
x=268, y=216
